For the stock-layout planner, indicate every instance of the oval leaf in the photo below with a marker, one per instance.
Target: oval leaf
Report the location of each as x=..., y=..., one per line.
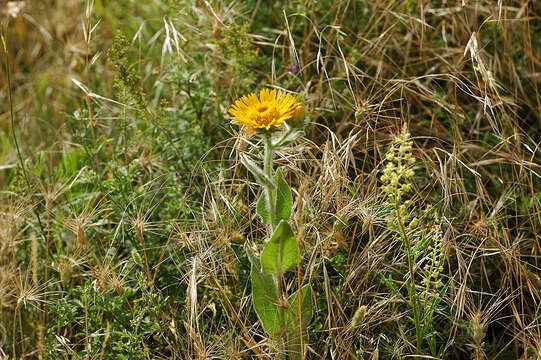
x=306, y=308
x=294, y=320
x=265, y=298
x=281, y=252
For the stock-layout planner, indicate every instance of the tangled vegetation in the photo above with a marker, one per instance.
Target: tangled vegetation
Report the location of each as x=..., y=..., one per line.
x=131, y=226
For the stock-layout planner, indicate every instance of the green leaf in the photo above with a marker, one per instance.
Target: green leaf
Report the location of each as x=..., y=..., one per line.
x=284, y=201
x=294, y=320
x=436, y=300
x=281, y=252
x=287, y=138
x=390, y=285
x=263, y=207
x=420, y=246
x=281, y=197
x=306, y=308
x=265, y=297
x=257, y=172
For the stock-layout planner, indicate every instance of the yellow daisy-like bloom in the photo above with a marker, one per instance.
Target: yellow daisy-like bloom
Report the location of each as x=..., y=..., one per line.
x=272, y=108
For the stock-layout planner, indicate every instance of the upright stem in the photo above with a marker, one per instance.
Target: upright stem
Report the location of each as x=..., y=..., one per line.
x=269, y=152
x=12, y=121
x=43, y=316
x=278, y=279
x=411, y=292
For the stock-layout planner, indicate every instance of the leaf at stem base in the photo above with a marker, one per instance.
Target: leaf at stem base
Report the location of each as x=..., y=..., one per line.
x=265, y=298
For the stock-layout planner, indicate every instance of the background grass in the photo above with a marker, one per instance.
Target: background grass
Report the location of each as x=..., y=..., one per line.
x=123, y=223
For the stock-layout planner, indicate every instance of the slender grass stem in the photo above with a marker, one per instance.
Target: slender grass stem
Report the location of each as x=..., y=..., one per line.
x=25, y=175
x=411, y=292
x=12, y=122
x=14, y=332
x=147, y=267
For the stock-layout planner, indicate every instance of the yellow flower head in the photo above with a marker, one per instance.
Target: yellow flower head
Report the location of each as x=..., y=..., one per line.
x=272, y=108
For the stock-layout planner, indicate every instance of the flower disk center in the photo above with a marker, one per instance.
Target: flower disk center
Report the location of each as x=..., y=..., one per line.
x=262, y=108
x=265, y=114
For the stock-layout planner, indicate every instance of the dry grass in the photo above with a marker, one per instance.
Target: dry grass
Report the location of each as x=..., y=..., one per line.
x=163, y=248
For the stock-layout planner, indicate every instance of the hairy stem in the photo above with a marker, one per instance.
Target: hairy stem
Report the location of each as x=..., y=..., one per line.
x=278, y=279
x=269, y=152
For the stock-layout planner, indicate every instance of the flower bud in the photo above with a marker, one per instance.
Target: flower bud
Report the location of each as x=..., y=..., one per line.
x=413, y=224
x=299, y=115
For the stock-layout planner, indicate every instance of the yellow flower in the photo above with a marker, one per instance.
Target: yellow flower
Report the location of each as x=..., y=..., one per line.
x=272, y=108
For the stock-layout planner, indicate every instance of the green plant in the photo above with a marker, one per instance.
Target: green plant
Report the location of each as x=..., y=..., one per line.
x=284, y=317
x=397, y=186
x=124, y=157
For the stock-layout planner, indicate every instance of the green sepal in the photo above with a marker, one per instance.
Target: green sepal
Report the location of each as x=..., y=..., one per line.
x=281, y=252
x=290, y=135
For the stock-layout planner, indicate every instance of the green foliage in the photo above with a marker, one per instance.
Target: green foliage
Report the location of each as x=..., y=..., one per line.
x=281, y=252
x=237, y=46
x=265, y=298
x=306, y=312
x=279, y=316
x=124, y=224
x=263, y=207
x=295, y=319
x=289, y=136
x=284, y=200
x=127, y=81
x=260, y=176
x=281, y=197
x=123, y=324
